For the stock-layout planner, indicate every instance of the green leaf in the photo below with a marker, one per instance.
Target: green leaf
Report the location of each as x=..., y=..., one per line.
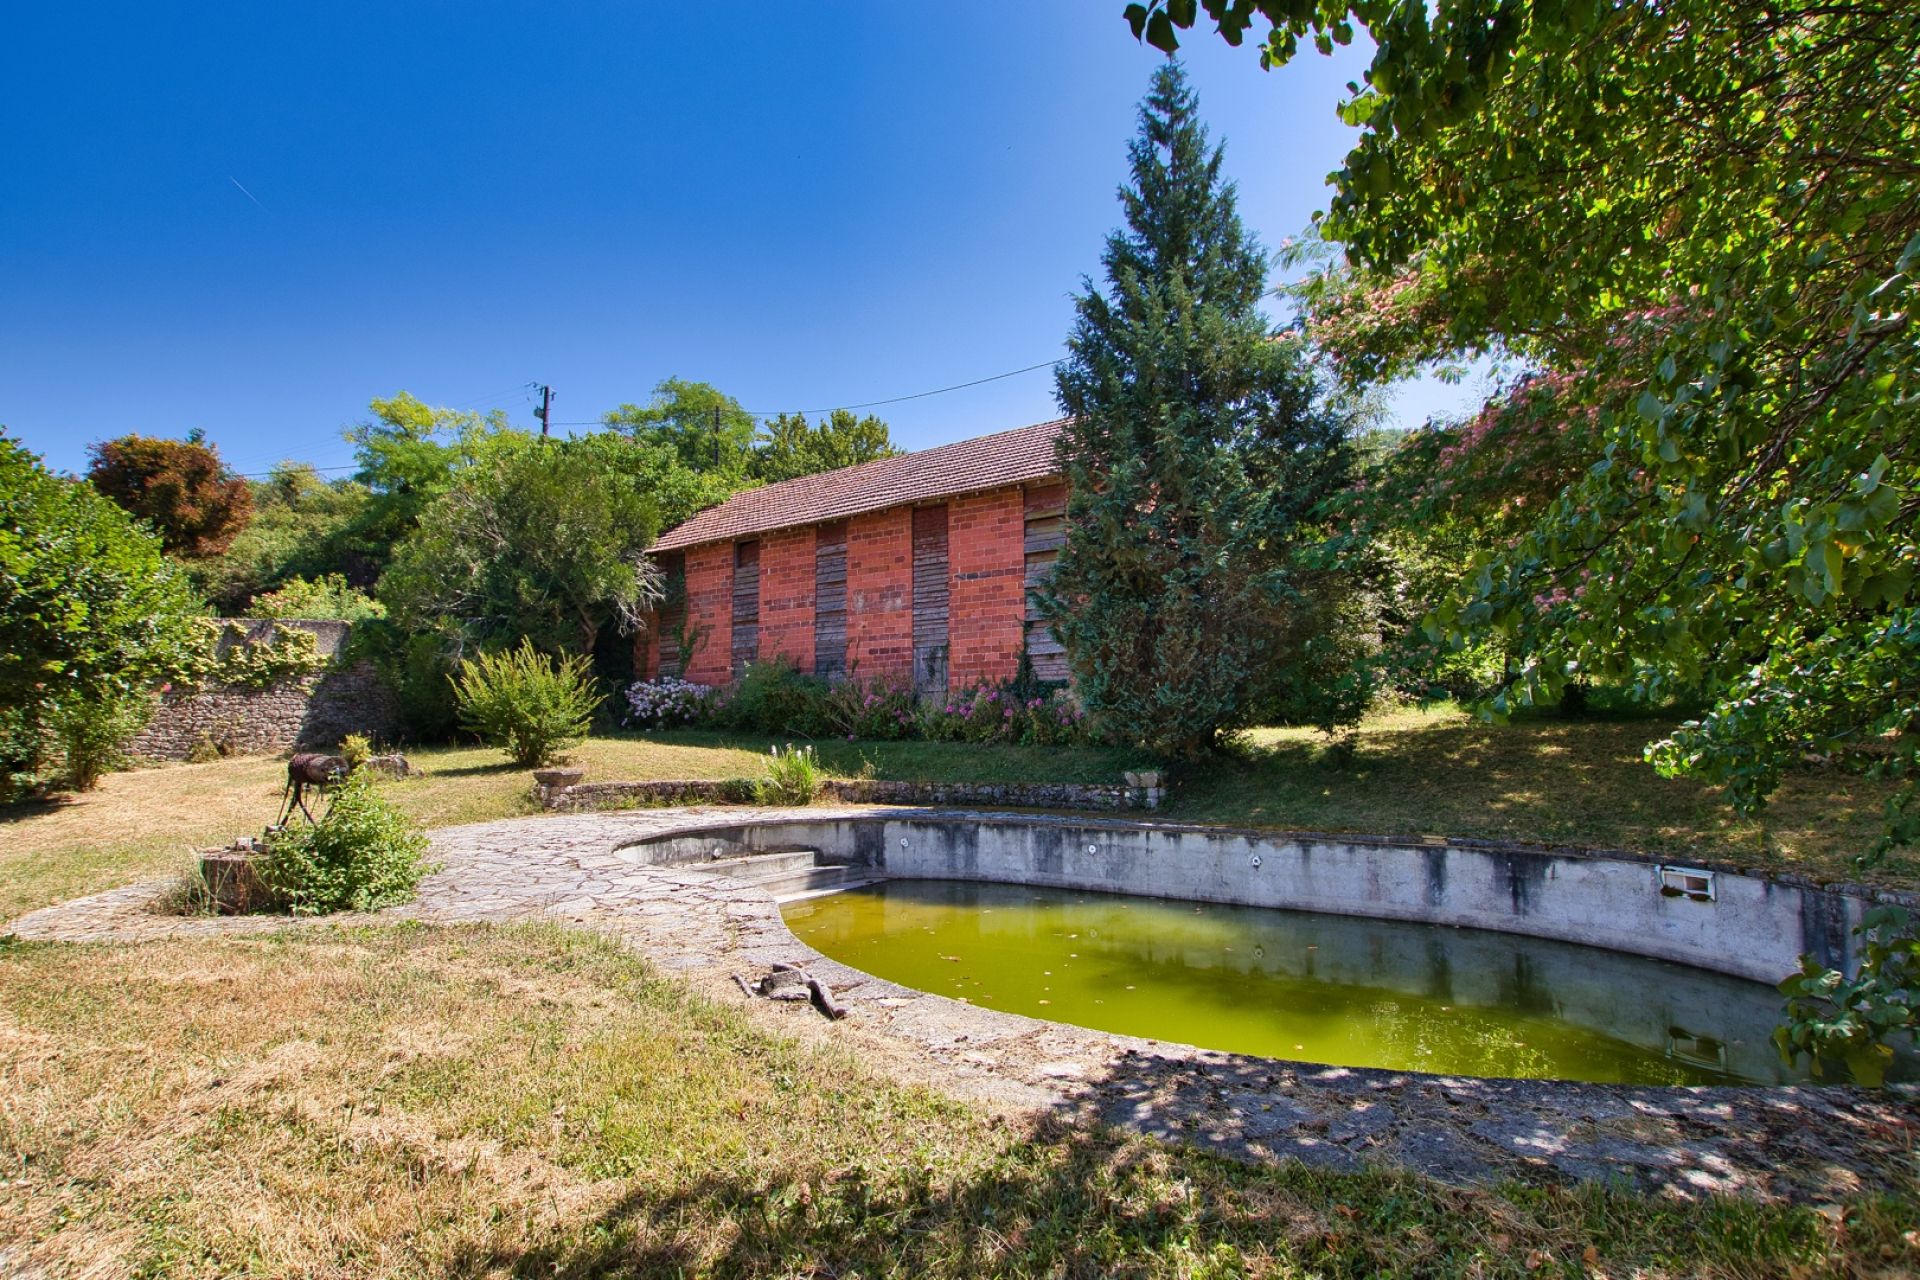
x=1160, y=33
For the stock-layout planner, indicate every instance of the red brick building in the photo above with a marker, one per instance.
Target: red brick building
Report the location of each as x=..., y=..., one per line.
x=914, y=568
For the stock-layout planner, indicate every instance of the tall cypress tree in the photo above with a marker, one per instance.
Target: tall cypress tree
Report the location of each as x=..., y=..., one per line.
x=1196, y=454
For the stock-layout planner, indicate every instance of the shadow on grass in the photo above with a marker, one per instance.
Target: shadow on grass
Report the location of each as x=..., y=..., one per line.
x=37, y=807
x=1069, y=1195
x=477, y=770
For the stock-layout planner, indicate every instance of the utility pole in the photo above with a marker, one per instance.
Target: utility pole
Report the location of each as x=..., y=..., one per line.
x=546, y=407
x=716, y=436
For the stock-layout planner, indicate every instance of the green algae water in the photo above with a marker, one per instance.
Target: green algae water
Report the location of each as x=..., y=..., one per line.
x=1313, y=988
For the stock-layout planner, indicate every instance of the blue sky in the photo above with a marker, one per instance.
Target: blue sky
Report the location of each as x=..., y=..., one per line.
x=808, y=206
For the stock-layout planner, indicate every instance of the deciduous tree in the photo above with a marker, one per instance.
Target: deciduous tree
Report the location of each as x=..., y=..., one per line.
x=92, y=613
x=706, y=428
x=180, y=487
x=1697, y=224
x=793, y=446
x=543, y=539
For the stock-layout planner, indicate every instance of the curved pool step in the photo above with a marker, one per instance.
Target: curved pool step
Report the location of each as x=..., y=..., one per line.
x=792, y=873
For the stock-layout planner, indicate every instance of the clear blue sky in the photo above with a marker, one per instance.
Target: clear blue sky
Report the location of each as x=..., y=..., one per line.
x=808, y=206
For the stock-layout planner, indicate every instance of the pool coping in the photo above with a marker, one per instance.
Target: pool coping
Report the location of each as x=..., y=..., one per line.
x=1799, y=1142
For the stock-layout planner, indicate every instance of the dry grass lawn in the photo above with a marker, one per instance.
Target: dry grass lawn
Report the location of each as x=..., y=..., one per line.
x=402, y=1101
x=412, y=1102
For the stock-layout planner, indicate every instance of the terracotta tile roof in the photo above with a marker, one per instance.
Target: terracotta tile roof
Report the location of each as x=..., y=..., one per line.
x=966, y=466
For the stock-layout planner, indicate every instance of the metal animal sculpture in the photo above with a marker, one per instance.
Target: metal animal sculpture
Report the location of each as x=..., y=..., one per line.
x=308, y=769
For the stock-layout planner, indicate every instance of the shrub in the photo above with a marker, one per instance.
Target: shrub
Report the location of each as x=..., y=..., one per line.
x=666, y=702
x=356, y=749
x=328, y=596
x=794, y=777
x=1055, y=721
x=773, y=697
x=525, y=703
x=995, y=713
x=94, y=734
x=1831, y=1018
x=881, y=710
x=363, y=855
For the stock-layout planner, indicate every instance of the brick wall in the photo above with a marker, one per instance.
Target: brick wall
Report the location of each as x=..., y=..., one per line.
x=710, y=612
x=987, y=608
x=880, y=594
x=786, y=596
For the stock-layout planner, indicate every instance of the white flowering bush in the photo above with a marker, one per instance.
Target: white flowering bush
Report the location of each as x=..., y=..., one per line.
x=666, y=702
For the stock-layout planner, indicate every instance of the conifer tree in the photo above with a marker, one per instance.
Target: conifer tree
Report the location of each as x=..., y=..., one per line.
x=1196, y=454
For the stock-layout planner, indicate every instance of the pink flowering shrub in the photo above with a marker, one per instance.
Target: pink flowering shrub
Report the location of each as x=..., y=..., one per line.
x=994, y=713
x=877, y=710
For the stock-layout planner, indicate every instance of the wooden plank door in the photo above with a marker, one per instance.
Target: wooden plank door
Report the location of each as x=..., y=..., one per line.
x=746, y=605
x=830, y=600
x=930, y=601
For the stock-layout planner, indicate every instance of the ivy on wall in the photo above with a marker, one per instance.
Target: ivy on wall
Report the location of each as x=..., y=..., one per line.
x=231, y=657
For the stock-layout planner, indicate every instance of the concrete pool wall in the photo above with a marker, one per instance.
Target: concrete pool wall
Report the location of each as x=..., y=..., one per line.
x=1707, y=915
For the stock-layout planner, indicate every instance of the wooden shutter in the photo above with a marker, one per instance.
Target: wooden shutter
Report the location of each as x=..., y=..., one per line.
x=1046, y=534
x=930, y=601
x=830, y=599
x=746, y=605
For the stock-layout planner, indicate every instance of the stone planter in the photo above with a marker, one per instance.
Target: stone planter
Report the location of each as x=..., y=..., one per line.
x=549, y=783
x=233, y=881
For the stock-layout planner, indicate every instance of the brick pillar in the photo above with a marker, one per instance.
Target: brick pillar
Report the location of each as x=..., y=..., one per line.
x=986, y=549
x=880, y=594
x=786, y=597
x=710, y=612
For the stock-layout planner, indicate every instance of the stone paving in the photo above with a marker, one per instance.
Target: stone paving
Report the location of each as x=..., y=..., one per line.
x=1796, y=1142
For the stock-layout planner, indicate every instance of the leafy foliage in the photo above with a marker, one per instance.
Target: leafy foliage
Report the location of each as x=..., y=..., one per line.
x=302, y=527
x=92, y=614
x=1697, y=226
x=418, y=667
x=795, y=447
x=408, y=453
x=180, y=487
x=774, y=697
x=272, y=657
x=526, y=703
x=328, y=596
x=705, y=428
x=93, y=735
x=363, y=854
x=794, y=777
x=1832, y=1018
x=542, y=539
x=1195, y=457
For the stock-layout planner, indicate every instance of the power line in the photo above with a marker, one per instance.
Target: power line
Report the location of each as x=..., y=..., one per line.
x=872, y=404
x=865, y=404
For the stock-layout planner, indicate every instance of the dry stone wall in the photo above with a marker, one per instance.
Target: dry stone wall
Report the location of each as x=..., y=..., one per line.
x=590, y=796
x=310, y=711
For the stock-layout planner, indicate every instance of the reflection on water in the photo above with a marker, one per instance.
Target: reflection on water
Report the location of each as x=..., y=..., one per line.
x=1316, y=988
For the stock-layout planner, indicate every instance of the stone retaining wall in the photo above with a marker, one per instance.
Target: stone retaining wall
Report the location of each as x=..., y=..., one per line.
x=1022, y=795
x=312, y=711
